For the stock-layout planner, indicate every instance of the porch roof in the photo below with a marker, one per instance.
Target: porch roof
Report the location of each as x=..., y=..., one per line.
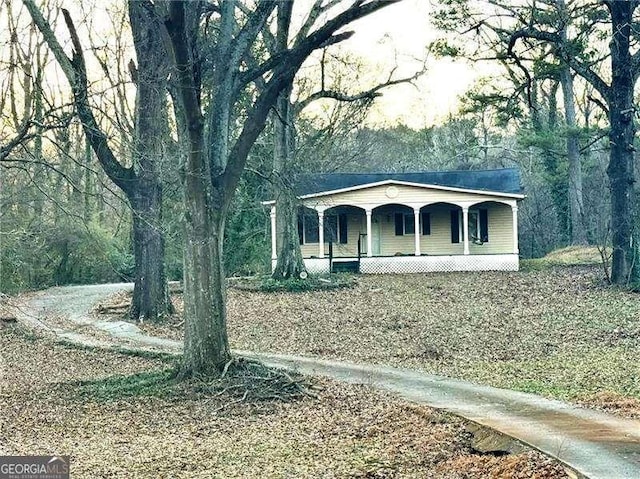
x=505, y=180
x=499, y=182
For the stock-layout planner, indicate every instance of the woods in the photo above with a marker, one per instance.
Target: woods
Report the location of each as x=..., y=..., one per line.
x=149, y=162
x=543, y=28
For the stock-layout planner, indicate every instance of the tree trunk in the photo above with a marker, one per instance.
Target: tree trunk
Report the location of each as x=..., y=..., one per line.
x=289, y=263
x=553, y=176
x=151, y=298
x=89, y=183
x=578, y=231
x=150, y=294
x=620, y=170
x=576, y=208
x=39, y=172
x=206, y=347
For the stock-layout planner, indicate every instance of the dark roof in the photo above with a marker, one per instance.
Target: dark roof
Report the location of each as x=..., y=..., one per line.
x=506, y=180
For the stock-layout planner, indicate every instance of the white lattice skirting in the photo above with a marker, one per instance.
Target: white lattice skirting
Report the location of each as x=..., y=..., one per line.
x=422, y=264
x=428, y=264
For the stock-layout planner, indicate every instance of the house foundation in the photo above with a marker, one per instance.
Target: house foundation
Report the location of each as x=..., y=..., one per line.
x=416, y=264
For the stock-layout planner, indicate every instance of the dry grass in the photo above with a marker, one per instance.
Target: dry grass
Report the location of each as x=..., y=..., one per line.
x=122, y=417
x=614, y=403
x=575, y=256
x=556, y=331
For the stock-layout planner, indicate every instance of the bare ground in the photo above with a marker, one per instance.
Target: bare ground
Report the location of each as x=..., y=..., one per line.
x=558, y=331
x=347, y=431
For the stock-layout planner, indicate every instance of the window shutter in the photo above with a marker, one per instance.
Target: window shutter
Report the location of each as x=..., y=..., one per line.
x=484, y=225
x=399, y=217
x=409, y=224
x=455, y=227
x=343, y=228
x=300, y=230
x=426, y=223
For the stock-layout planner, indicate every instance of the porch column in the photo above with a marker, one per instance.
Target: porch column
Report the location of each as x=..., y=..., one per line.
x=321, y=234
x=514, y=212
x=465, y=229
x=274, y=250
x=416, y=215
x=369, y=242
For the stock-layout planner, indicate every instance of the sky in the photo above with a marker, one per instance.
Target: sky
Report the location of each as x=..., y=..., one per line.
x=395, y=35
x=403, y=31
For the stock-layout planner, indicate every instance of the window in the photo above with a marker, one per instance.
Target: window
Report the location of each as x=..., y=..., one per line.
x=455, y=226
x=478, y=224
x=335, y=228
x=405, y=224
x=343, y=237
x=308, y=229
x=425, y=223
x=474, y=225
x=484, y=225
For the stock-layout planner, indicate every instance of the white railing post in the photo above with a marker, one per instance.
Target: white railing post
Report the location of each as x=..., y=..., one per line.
x=514, y=212
x=321, y=234
x=465, y=229
x=416, y=224
x=369, y=242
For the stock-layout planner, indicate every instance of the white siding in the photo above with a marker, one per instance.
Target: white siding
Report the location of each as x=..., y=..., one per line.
x=438, y=203
x=439, y=241
x=500, y=231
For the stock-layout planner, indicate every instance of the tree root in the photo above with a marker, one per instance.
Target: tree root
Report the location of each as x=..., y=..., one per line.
x=251, y=382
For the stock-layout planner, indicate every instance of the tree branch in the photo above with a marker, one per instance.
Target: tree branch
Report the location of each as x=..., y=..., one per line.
x=244, y=39
x=187, y=88
x=75, y=71
x=353, y=13
x=580, y=68
x=283, y=74
x=364, y=95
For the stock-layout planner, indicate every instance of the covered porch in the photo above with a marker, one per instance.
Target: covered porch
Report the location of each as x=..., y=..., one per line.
x=402, y=237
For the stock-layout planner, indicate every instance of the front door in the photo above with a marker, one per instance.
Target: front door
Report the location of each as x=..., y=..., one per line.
x=375, y=236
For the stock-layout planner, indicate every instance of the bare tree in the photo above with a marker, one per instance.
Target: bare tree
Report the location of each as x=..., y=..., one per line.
x=548, y=23
x=289, y=263
x=528, y=66
x=217, y=155
x=618, y=96
x=576, y=204
x=139, y=182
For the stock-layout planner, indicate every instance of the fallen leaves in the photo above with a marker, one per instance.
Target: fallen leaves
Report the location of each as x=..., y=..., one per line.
x=555, y=331
x=348, y=431
x=543, y=327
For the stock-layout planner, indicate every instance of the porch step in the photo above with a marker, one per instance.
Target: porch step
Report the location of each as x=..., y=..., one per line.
x=345, y=267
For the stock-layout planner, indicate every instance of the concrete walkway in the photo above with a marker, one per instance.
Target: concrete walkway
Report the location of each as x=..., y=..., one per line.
x=596, y=445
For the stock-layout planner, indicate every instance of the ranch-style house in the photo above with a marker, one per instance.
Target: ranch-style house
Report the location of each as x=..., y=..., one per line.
x=407, y=222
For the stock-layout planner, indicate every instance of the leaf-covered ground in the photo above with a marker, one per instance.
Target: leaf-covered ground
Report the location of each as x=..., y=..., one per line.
x=555, y=331
x=59, y=400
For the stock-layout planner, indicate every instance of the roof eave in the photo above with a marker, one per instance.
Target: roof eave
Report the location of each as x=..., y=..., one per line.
x=406, y=183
